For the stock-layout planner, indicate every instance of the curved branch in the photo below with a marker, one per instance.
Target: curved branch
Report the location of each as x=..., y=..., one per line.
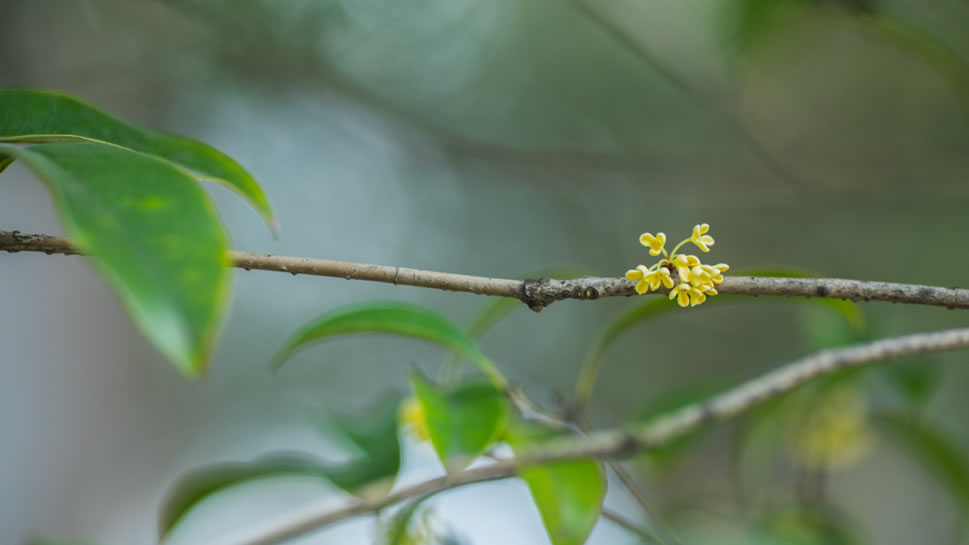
x=620, y=443
x=539, y=293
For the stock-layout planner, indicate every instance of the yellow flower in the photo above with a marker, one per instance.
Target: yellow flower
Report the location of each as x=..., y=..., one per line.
x=683, y=263
x=699, y=276
x=660, y=276
x=716, y=271
x=682, y=294
x=655, y=244
x=412, y=417
x=696, y=296
x=699, y=238
x=640, y=275
x=692, y=281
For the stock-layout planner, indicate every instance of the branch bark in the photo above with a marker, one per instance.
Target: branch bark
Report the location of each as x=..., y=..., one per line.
x=622, y=443
x=539, y=293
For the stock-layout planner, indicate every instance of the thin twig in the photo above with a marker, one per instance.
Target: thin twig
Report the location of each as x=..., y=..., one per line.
x=636, y=490
x=731, y=120
x=539, y=293
x=666, y=534
x=629, y=525
x=626, y=442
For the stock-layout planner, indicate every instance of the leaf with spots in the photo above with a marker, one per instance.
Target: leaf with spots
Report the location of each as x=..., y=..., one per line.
x=150, y=231
x=30, y=116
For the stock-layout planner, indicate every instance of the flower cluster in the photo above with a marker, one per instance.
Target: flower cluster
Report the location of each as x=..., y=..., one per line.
x=689, y=281
x=832, y=430
x=412, y=418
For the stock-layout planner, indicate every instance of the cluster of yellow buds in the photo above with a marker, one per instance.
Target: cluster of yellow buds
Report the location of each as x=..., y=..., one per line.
x=412, y=418
x=833, y=430
x=693, y=281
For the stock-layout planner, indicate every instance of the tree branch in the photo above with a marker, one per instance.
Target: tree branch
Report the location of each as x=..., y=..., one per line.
x=626, y=442
x=539, y=293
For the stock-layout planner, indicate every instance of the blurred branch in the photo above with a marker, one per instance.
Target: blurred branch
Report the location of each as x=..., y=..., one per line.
x=629, y=525
x=614, y=31
x=257, y=44
x=539, y=293
x=625, y=442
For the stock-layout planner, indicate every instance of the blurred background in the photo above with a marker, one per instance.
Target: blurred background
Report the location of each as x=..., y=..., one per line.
x=499, y=138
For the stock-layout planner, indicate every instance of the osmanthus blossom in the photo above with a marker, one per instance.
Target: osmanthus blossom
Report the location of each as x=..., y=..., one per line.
x=690, y=282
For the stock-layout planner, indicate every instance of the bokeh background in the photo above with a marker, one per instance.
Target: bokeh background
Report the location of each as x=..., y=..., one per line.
x=492, y=137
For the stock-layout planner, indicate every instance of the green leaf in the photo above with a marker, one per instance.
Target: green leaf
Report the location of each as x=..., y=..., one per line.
x=923, y=40
x=806, y=525
x=396, y=531
x=936, y=451
x=462, y=420
x=652, y=308
x=750, y=21
x=151, y=231
x=821, y=329
x=373, y=433
x=497, y=309
x=5, y=161
x=402, y=319
x=38, y=117
x=848, y=310
x=568, y=495
x=199, y=484
x=914, y=379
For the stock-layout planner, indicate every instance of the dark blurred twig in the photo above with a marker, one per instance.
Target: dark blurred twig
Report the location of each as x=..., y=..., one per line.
x=283, y=62
x=725, y=115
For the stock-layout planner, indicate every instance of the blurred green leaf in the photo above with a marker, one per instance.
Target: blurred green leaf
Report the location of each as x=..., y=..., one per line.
x=911, y=380
x=803, y=525
x=39, y=117
x=402, y=319
x=647, y=310
x=849, y=310
x=6, y=161
x=669, y=401
x=914, y=380
x=934, y=449
x=372, y=432
x=199, y=484
x=749, y=21
x=498, y=308
x=151, y=231
x=462, y=420
x=927, y=43
x=568, y=495
x=395, y=532
x=820, y=329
